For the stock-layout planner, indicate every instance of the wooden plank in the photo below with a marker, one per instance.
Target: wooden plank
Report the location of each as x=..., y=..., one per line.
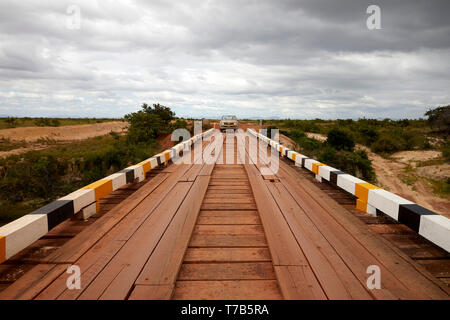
x=228, y=229
x=165, y=261
x=415, y=247
x=355, y=255
x=227, y=177
x=144, y=292
x=227, y=271
x=418, y=281
x=228, y=187
x=227, y=290
x=228, y=219
x=228, y=191
x=228, y=196
x=90, y=265
x=229, y=167
x=221, y=240
x=97, y=229
x=192, y=173
x=439, y=268
x=336, y=279
x=224, y=182
x=390, y=228
x=206, y=170
x=31, y=283
x=223, y=172
x=227, y=255
x=282, y=244
x=224, y=213
x=299, y=283
x=74, y=248
x=225, y=200
x=117, y=278
x=228, y=206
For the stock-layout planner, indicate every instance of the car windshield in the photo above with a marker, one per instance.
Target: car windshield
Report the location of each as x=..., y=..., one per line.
x=229, y=118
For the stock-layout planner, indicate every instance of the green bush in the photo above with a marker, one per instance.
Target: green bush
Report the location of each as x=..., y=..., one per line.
x=387, y=144
x=368, y=135
x=340, y=140
x=148, y=123
x=297, y=134
x=354, y=163
x=439, y=118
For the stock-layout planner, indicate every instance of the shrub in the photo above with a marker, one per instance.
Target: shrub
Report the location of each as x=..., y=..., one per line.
x=297, y=134
x=354, y=163
x=387, y=144
x=340, y=140
x=368, y=135
x=149, y=123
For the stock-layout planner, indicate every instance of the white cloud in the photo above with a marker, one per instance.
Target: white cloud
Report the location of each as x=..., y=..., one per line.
x=203, y=58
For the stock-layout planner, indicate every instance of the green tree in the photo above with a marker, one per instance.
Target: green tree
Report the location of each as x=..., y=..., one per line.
x=439, y=117
x=163, y=112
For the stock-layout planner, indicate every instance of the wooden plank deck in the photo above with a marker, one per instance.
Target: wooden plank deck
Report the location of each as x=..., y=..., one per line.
x=223, y=231
x=331, y=238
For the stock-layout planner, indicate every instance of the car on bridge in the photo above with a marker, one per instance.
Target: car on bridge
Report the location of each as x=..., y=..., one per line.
x=228, y=122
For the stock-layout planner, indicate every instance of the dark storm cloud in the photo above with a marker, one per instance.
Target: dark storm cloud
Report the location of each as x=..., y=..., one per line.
x=310, y=58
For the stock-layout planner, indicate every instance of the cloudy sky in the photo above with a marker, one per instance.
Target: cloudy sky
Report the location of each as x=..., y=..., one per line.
x=296, y=59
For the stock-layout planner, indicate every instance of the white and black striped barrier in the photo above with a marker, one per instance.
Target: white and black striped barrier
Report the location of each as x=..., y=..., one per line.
x=372, y=199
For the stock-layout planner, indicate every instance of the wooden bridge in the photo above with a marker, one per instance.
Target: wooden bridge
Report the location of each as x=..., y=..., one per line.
x=223, y=230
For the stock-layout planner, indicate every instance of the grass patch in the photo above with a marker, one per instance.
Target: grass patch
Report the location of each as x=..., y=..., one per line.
x=408, y=179
x=441, y=188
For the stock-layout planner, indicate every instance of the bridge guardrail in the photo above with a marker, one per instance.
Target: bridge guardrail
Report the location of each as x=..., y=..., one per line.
x=20, y=233
x=372, y=199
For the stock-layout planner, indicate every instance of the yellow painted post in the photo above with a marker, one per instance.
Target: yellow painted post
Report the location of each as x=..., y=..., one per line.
x=362, y=193
x=101, y=188
x=315, y=167
x=145, y=166
x=167, y=156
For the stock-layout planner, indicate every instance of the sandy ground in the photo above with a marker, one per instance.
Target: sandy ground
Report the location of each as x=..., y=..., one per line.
x=63, y=133
x=420, y=190
x=436, y=172
x=416, y=156
x=33, y=135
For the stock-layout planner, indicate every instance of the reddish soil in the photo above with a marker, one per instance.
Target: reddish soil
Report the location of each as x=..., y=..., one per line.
x=35, y=136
